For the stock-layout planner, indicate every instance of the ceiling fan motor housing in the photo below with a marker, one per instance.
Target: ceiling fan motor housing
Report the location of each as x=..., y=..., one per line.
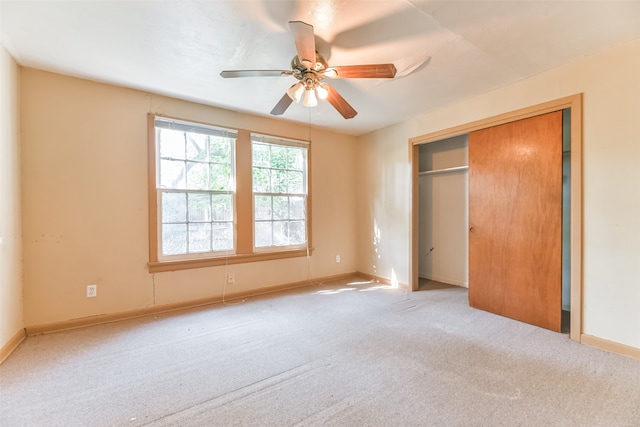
x=311, y=74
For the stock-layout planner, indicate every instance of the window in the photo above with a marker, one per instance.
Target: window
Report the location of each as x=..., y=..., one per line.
x=222, y=196
x=279, y=191
x=195, y=183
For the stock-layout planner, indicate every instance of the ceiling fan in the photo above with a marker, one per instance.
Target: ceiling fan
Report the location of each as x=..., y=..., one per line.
x=310, y=68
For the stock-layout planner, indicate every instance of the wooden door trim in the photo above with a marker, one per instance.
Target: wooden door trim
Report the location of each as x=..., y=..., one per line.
x=574, y=102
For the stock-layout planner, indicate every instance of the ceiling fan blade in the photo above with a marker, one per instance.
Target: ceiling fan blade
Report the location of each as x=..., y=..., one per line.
x=254, y=73
x=340, y=104
x=371, y=71
x=305, y=41
x=282, y=105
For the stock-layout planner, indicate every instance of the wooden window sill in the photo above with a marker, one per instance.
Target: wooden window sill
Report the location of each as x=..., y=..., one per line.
x=160, y=266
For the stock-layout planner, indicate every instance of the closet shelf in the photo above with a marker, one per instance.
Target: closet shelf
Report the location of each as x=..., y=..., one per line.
x=445, y=170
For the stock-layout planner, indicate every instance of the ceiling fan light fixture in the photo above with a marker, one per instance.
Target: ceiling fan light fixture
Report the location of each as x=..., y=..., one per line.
x=322, y=91
x=330, y=72
x=295, y=92
x=309, y=99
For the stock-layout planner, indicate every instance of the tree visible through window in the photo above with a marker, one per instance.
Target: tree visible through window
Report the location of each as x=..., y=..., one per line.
x=280, y=192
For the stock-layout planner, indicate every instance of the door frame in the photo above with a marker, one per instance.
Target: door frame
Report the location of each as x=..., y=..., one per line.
x=574, y=102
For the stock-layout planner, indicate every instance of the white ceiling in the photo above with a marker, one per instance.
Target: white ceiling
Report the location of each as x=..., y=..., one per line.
x=178, y=48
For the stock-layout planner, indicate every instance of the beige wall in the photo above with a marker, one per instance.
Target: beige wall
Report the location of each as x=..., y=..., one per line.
x=85, y=202
x=11, y=314
x=610, y=82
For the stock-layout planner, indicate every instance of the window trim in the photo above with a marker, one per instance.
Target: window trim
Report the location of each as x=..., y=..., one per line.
x=244, y=251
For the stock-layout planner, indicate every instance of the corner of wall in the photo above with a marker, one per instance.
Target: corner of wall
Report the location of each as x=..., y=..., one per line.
x=11, y=283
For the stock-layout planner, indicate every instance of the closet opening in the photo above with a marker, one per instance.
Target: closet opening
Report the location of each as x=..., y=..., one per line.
x=443, y=212
x=439, y=159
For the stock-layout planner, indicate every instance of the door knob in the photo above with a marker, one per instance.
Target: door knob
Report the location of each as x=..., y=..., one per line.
x=471, y=229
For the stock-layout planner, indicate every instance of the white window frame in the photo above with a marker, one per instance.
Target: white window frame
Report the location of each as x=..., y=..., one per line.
x=282, y=142
x=190, y=127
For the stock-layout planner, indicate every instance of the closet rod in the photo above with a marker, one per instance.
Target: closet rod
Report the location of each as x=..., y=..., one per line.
x=445, y=170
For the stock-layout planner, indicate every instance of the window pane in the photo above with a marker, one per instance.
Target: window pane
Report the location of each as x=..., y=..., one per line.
x=220, y=149
x=280, y=233
x=295, y=158
x=197, y=146
x=174, y=207
x=279, y=171
x=172, y=174
x=174, y=239
x=201, y=165
x=222, y=207
x=171, y=143
x=199, y=207
x=297, y=234
x=296, y=208
x=280, y=207
x=278, y=157
x=263, y=234
x=261, y=155
x=261, y=178
x=262, y=207
x=222, y=233
x=197, y=176
x=296, y=183
x=278, y=181
x=199, y=237
x=220, y=177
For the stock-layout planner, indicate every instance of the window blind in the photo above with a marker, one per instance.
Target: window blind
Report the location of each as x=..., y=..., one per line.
x=190, y=127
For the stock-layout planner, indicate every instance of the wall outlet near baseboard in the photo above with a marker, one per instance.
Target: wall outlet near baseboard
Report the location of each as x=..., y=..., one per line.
x=92, y=291
x=338, y=259
x=231, y=278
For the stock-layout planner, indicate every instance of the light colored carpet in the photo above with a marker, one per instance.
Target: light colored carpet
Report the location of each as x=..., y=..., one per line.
x=343, y=354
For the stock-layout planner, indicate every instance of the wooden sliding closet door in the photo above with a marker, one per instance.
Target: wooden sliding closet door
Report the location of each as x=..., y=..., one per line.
x=515, y=220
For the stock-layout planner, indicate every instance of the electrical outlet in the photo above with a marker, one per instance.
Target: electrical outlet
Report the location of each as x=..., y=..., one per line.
x=338, y=259
x=231, y=278
x=92, y=291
